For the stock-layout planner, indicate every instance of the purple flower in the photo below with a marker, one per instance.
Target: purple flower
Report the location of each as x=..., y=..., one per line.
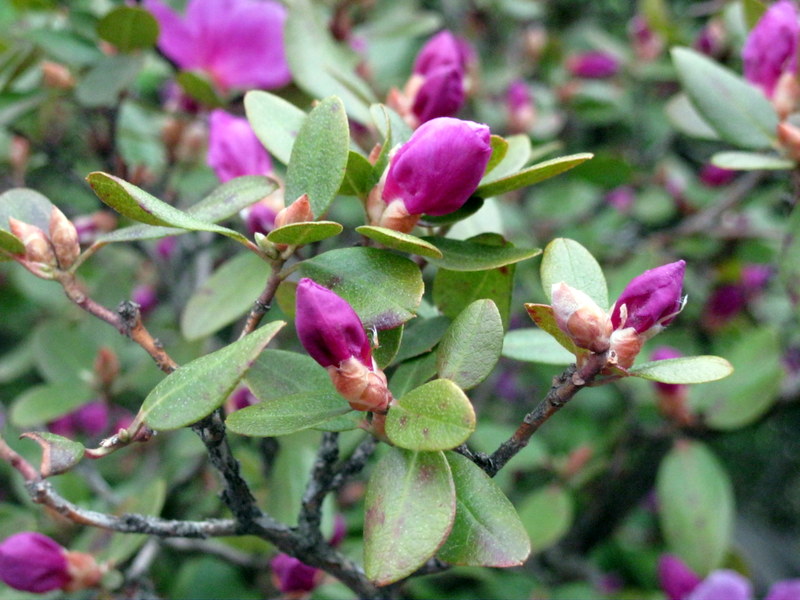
x=146, y=297
x=441, y=94
x=771, y=47
x=519, y=105
x=90, y=419
x=714, y=176
x=785, y=590
x=723, y=584
x=234, y=149
x=328, y=327
x=32, y=562
x=238, y=43
x=438, y=169
x=442, y=50
x=651, y=300
x=241, y=397
x=621, y=198
x=291, y=576
x=593, y=65
x=260, y=218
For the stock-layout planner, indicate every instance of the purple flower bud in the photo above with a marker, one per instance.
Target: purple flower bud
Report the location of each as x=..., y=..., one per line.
x=260, y=218
x=165, y=247
x=621, y=198
x=755, y=277
x=723, y=584
x=771, y=48
x=677, y=580
x=238, y=43
x=146, y=297
x=291, y=576
x=724, y=304
x=711, y=39
x=714, y=176
x=234, y=149
x=520, y=106
x=92, y=418
x=32, y=562
x=242, y=397
x=784, y=590
x=651, y=299
x=437, y=170
x=442, y=50
x=593, y=65
x=441, y=94
x=328, y=327
x=665, y=353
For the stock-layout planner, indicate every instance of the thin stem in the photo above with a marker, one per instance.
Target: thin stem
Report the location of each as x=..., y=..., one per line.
x=318, y=487
x=264, y=302
x=26, y=469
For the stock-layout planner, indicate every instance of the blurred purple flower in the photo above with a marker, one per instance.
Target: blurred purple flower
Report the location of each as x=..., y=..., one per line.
x=714, y=176
x=90, y=419
x=443, y=50
x=238, y=43
x=32, y=562
x=723, y=584
x=146, y=297
x=292, y=576
x=711, y=39
x=241, y=397
x=651, y=299
x=260, y=218
x=784, y=590
x=441, y=94
x=621, y=198
x=165, y=247
x=438, y=169
x=593, y=65
x=771, y=48
x=520, y=106
x=233, y=148
x=729, y=299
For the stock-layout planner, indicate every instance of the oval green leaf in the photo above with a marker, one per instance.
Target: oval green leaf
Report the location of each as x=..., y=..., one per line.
x=566, y=260
x=487, y=531
x=547, y=515
x=738, y=111
x=281, y=416
x=388, y=343
x=404, y=242
x=278, y=373
x=275, y=121
x=198, y=388
x=26, y=205
x=535, y=345
x=435, y=416
x=410, y=507
x=531, y=175
x=687, y=369
x=10, y=243
x=517, y=155
x=459, y=255
x=300, y=234
x=752, y=161
x=499, y=151
x=685, y=118
x=41, y=404
x=59, y=454
x=382, y=287
x=359, y=176
x=472, y=344
x=129, y=28
x=696, y=506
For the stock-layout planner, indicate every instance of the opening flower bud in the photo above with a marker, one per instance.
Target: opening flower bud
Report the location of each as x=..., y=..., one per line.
x=580, y=318
x=32, y=562
x=37, y=246
x=64, y=238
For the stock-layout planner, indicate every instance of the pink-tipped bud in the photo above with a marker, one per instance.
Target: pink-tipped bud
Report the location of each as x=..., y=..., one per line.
x=64, y=238
x=651, y=300
x=37, y=246
x=57, y=76
x=577, y=315
x=438, y=169
x=771, y=47
x=677, y=580
x=443, y=50
x=365, y=388
x=298, y=211
x=32, y=562
x=788, y=589
x=786, y=95
x=723, y=584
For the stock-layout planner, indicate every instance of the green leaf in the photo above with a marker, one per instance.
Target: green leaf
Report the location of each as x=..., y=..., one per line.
x=139, y=137
x=747, y=394
x=198, y=86
x=422, y=335
x=460, y=255
x=517, y=155
x=300, y=234
x=135, y=203
x=542, y=315
x=696, y=506
x=469, y=208
x=471, y=346
x=412, y=374
x=63, y=352
x=41, y=404
x=383, y=288
x=499, y=151
x=26, y=205
x=404, y=242
x=530, y=175
x=224, y=202
x=687, y=369
x=319, y=156
x=454, y=290
x=738, y=111
x=149, y=500
x=566, y=260
x=410, y=507
x=751, y=161
x=547, y=515
x=11, y=243
x=129, y=28
x=225, y=296
x=288, y=414
x=391, y=126
x=535, y=345
x=487, y=531
x=198, y=388
x=388, y=344
x=319, y=65
x=275, y=121
x=753, y=11
x=108, y=79
x=59, y=454
x=685, y=118
x=359, y=176
x=435, y=416
x=278, y=373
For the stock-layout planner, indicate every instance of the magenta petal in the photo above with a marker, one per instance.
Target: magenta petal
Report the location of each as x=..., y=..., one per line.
x=677, y=580
x=175, y=38
x=784, y=590
x=771, y=48
x=442, y=94
x=92, y=417
x=33, y=562
x=723, y=584
x=438, y=169
x=442, y=50
x=328, y=327
x=292, y=575
x=233, y=148
x=652, y=298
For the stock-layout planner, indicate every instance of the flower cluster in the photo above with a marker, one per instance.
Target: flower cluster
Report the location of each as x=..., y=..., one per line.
x=648, y=304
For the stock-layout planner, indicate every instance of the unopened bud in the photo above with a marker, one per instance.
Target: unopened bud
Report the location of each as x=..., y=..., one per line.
x=57, y=76
x=395, y=216
x=363, y=388
x=577, y=315
x=106, y=366
x=37, y=246
x=298, y=211
x=786, y=95
x=625, y=344
x=789, y=138
x=64, y=238
x=19, y=154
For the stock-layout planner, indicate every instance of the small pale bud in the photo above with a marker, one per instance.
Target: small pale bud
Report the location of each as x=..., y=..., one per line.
x=789, y=138
x=626, y=344
x=298, y=211
x=83, y=570
x=363, y=388
x=64, y=238
x=106, y=366
x=57, y=76
x=786, y=95
x=580, y=318
x=37, y=246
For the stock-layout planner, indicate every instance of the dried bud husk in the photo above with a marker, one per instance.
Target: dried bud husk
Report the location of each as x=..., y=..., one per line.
x=64, y=238
x=625, y=346
x=365, y=389
x=37, y=246
x=577, y=315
